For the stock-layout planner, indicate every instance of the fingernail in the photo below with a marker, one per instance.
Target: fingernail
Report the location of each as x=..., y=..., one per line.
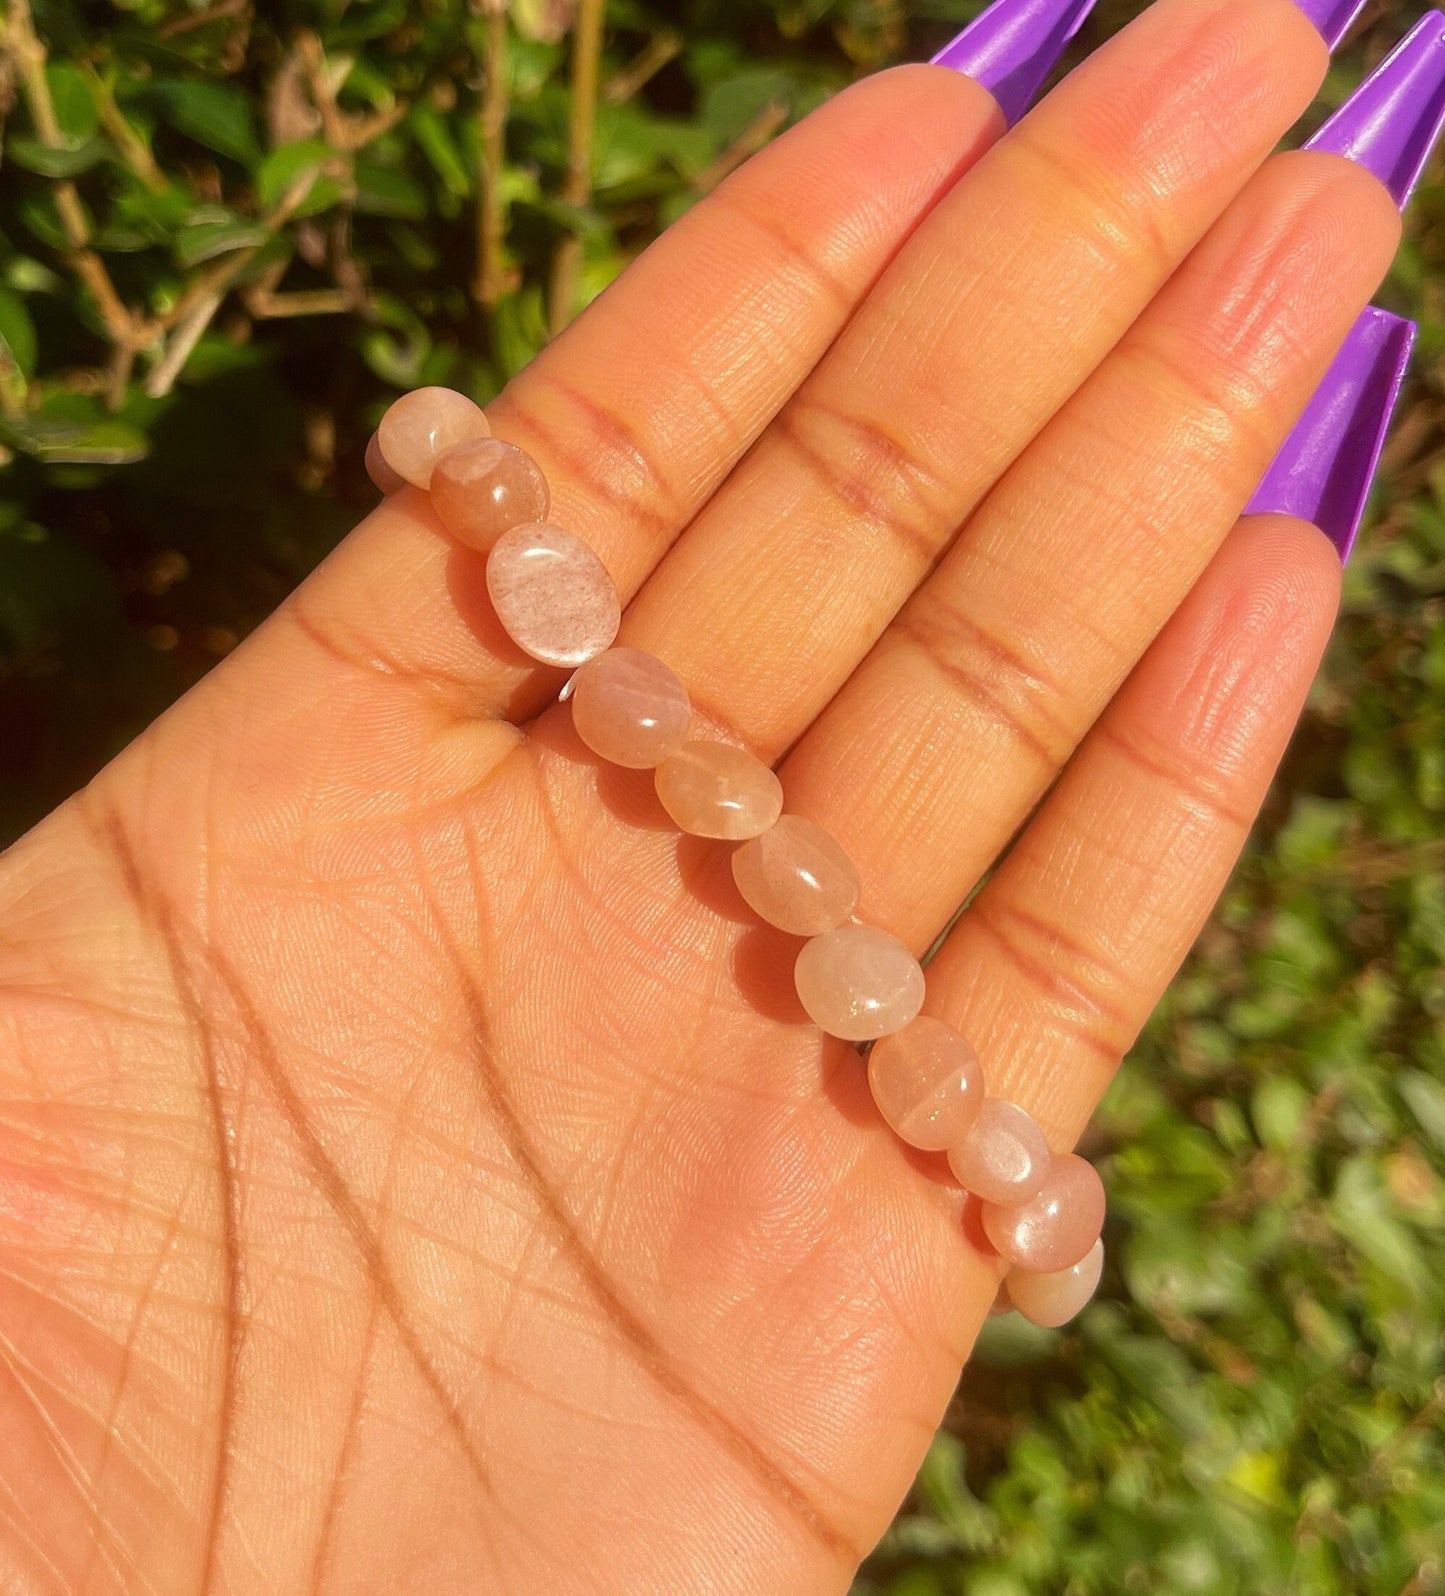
x=1013, y=46
x=1323, y=473
x=1389, y=125
x=1332, y=17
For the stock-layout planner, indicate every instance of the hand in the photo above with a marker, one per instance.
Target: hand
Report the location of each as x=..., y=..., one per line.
x=415, y=1173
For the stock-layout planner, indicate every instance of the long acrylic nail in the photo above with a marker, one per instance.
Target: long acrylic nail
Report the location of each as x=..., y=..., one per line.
x=1390, y=124
x=1013, y=46
x=1324, y=471
x=1332, y=17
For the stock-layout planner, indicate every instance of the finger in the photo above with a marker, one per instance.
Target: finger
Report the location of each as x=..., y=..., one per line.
x=1058, y=962
x=933, y=754
x=1011, y=292
x=647, y=401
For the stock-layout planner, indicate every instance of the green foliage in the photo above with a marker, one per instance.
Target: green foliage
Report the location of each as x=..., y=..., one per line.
x=288, y=211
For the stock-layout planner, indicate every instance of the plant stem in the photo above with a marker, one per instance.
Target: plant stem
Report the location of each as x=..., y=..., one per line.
x=24, y=44
x=130, y=144
x=492, y=279
x=577, y=186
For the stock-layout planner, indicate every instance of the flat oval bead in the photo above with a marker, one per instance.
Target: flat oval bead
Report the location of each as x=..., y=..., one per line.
x=552, y=594
x=1057, y=1225
x=422, y=425
x=630, y=708
x=716, y=790
x=383, y=478
x=927, y=1083
x=485, y=487
x=797, y=878
x=1052, y=1299
x=1004, y=1157
x=858, y=982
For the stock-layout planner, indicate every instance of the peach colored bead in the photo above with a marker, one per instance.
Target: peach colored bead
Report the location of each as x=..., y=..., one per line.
x=630, y=708
x=858, y=982
x=484, y=488
x=1052, y=1299
x=1004, y=1157
x=383, y=478
x=797, y=878
x=1057, y=1225
x=927, y=1083
x=715, y=790
x=422, y=425
x=552, y=594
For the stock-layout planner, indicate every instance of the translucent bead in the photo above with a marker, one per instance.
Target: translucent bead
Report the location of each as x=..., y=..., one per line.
x=1057, y=1225
x=422, y=425
x=484, y=488
x=927, y=1083
x=1054, y=1298
x=1004, y=1157
x=552, y=594
x=858, y=982
x=797, y=878
x=383, y=478
x=629, y=708
x=715, y=790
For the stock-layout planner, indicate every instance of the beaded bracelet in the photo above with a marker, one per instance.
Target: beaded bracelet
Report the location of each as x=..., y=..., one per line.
x=1041, y=1211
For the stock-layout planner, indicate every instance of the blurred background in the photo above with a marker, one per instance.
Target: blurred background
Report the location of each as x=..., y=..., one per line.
x=230, y=232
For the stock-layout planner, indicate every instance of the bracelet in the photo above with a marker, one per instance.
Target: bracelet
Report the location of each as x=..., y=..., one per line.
x=1041, y=1212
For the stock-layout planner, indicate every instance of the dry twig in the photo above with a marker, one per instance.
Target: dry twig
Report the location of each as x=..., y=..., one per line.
x=577, y=186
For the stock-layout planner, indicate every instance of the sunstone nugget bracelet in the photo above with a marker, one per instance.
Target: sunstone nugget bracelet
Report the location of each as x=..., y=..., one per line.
x=1041, y=1211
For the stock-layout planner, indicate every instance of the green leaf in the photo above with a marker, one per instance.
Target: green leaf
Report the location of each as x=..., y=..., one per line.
x=288, y=165
x=1281, y=1107
x=214, y=114
x=63, y=160
x=383, y=192
x=1425, y=1097
x=17, y=333
x=74, y=103
x=209, y=239
x=38, y=213
x=59, y=440
x=435, y=140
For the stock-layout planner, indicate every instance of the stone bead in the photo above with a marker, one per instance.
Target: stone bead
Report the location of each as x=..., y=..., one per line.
x=859, y=982
x=383, y=478
x=1004, y=1157
x=716, y=790
x=1057, y=1225
x=630, y=708
x=927, y=1083
x=486, y=487
x=797, y=878
x=422, y=425
x=1052, y=1299
x=552, y=594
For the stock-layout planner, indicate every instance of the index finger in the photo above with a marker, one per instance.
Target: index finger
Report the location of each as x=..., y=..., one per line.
x=640, y=410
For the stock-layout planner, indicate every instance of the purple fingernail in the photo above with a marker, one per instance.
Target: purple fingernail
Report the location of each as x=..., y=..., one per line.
x=1332, y=17
x=1324, y=471
x=1013, y=46
x=1389, y=125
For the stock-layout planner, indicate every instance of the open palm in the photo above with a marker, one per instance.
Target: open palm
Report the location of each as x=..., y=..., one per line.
x=415, y=1172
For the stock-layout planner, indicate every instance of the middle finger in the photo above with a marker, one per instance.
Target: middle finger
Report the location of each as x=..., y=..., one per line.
x=1025, y=276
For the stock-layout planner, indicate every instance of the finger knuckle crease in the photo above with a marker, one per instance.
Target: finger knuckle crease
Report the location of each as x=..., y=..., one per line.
x=599, y=452
x=994, y=675
x=874, y=474
x=1191, y=780
x=1088, y=993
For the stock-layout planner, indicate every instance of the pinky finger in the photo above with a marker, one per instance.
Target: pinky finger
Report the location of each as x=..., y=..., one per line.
x=1056, y=965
